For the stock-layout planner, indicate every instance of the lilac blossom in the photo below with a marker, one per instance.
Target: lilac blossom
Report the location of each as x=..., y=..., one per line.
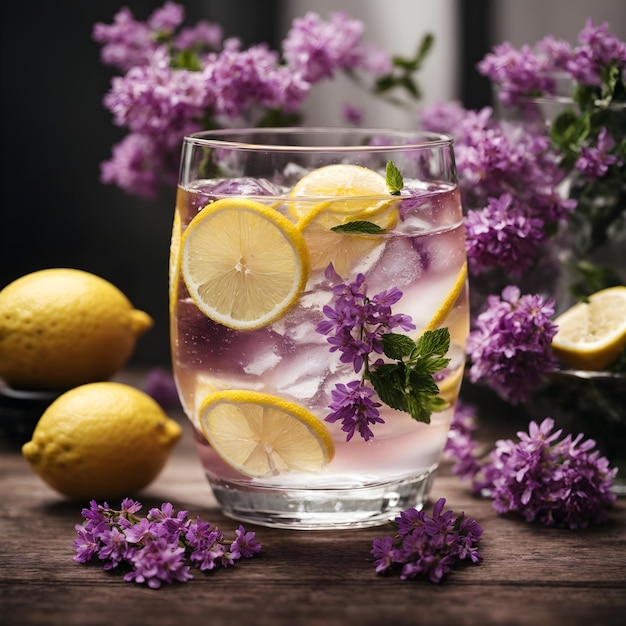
x=510, y=346
x=501, y=235
x=356, y=325
x=159, y=547
x=175, y=81
x=597, y=48
x=353, y=405
x=428, y=546
x=317, y=49
x=556, y=483
x=594, y=162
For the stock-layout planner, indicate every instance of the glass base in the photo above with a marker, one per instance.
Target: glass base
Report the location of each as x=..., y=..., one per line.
x=322, y=509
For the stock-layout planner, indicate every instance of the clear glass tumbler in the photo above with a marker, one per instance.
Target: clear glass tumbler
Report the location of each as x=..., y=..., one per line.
x=319, y=313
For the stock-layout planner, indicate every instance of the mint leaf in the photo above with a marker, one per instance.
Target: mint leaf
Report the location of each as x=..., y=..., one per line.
x=397, y=346
x=434, y=342
x=395, y=182
x=359, y=227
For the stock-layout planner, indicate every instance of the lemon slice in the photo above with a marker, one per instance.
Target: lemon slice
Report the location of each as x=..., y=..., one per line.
x=343, y=249
x=174, y=265
x=262, y=435
x=245, y=264
x=357, y=189
x=592, y=335
x=449, y=301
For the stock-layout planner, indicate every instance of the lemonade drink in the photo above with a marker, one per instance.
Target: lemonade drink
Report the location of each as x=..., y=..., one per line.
x=258, y=380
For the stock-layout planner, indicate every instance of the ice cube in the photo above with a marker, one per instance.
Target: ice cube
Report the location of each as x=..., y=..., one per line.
x=399, y=265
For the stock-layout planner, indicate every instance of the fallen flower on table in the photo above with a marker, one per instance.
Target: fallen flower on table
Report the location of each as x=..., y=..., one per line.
x=426, y=546
x=562, y=483
x=158, y=548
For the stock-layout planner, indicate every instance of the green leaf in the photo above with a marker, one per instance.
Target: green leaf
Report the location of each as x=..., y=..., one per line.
x=397, y=346
x=359, y=227
x=434, y=342
x=395, y=181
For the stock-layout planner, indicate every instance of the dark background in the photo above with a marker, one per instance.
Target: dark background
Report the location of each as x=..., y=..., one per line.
x=56, y=132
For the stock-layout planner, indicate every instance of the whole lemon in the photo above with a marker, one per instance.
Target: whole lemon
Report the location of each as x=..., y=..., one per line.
x=60, y=328
x=101, y=440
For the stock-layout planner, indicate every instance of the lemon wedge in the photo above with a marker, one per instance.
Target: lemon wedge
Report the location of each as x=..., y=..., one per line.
x=591, y=335
x=357, y=189
x=244, y=264
x=262, y=435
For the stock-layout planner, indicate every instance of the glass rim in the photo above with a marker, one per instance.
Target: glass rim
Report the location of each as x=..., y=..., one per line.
x=416, y=140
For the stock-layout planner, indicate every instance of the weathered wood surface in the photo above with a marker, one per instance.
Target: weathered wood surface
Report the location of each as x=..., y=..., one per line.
x=530, y=574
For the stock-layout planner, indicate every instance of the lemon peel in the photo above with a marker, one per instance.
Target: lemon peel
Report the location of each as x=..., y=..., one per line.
x=244, y=264
x=261, y=435
x=446, y=306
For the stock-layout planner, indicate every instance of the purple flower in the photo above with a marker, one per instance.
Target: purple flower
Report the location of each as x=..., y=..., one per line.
x=428, y=546
x=156, y=547
x=353, y=405
x=556, y=483
x=316, y=49
x=158, y=562
x=501, y=235
x=510, y=346
x=594, y=162
x=245, y=544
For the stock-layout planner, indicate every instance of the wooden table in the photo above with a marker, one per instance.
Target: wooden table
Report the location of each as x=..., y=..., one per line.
x=530, y=574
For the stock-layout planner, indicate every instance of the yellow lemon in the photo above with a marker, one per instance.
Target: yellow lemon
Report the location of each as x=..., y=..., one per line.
x=263, y=435
x=101, y=440
x=60, y=328
x=350, y=188
x=244, y=264
x=591, y=335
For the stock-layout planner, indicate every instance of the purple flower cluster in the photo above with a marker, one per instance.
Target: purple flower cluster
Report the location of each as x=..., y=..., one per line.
x=510, y=346
x=356, y=325
x=509, y=178
x=556, y=483
x=156, y=549
x=502, y=235
x=428, y=546
x=180, y=80
x=531, y=71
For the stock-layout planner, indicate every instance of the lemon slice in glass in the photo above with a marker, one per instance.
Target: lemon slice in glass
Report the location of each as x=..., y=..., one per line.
x=592, y=334
x=174, y=259
x=262, y=435
x=449, y=301
x=343, y=249
x=245, y=264
x=357, y=189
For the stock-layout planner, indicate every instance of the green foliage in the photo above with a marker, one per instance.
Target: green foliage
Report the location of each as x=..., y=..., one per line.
x=408, y=384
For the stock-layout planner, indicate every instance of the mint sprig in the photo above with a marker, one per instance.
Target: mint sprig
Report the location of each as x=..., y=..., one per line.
x=408, y=384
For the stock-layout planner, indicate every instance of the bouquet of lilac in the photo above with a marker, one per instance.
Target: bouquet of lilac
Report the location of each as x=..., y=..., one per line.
x=542, y=198
x=176, y=80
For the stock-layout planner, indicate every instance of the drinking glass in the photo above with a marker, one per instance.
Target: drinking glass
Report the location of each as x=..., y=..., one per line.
x=313, y=275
